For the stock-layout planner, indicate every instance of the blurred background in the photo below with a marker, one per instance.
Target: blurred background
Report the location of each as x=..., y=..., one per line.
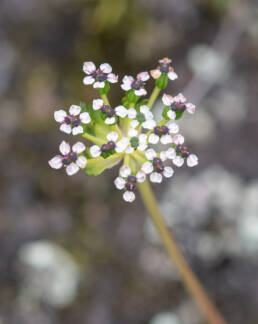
x=71, y=250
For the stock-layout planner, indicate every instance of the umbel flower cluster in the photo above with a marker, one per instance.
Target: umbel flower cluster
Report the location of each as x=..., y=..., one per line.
x=127, y=133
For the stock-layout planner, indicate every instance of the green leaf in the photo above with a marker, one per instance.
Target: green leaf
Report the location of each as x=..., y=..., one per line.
x=98, y=165
x=179, y=114
x=162, y=81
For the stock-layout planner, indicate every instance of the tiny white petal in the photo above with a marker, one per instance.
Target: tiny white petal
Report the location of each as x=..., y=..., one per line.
x=126, y=86
x=148, y=115
x=74, y=110
x=72, y=168
x=142, y=147
x=78, y=147
x=106, y=68
x=156, y=177
x=192, y=160
x=172, y=76
x=144, y=109
x=85, y=118
x=166, y=139
x=132, y=132
x=95, y=151
x=171, y=153
x=168, y=172
x=163, y=155
x=178, y=139
x=89, y=67
x=171, y=114
x=81, y=161
x=129, y=196
x=129, y=150
x=190, y=108
x=88, y=80
x=60, y=115
x=155, y=73
x=150, y=154
x=134, y=123
x=77, y=130
x=131, y=113
x=99, y=84
x=178, y=161
x=140, y=176
x=56, y=162
x=97, y=104
x=147, y=167
x=66, y=128
x=149, y=124
x=121, y=145
x=64, y=148
x=112, y=78
x=173, y=128
x=167, y=99
x=120, y=183
x=128, y=79
x=143, y=138
x=125, y=171
x=153, y=138
x=180, y=98
x=140, y=92
x=112, y=136
x=121, y=111
x=110, y=120
x=143, y=76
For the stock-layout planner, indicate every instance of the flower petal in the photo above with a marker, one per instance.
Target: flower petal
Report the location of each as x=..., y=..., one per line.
x=95, y=151
x=72, y=168
x=121, y=145
x=163, y=155
x=131, y=113
x=89, y=67
x=150, y=154
x=156, y=177
x=153, y=138
x=132, y=132
x=173, y=128
x=166, y=139
x=147, y=167
x=106, y=68
x=129, y=150
x=143, y=76
x=172, y=75
x=149, y=124
x=77, y=130
x=168, y=172
x=66, y=128
x=110, y=120
x=129, y=196
x=140, y=92
x=112, y=136
x=178, y=139
x=178, y=161
x=143, y=138
x=56, y=162
x=171, y=114
x=192, y=160
x=81, y=161
x=99, y=84
x=97, y=104
x=78, y=147
x=125, y=171
x=120, y=183
x=134, y=123
x=60, y=115
x=121, y=111
x=74, y=110
x=180, y=98
x=64, y=148
x=167, y=99
x=85, y=118
x=88, y=80
x=190, y=108
x=171, y=153
x=155, y=73
x=128, y=79
x=144, y=109
x=140, y=176
x=112, y=78
x=126, y=86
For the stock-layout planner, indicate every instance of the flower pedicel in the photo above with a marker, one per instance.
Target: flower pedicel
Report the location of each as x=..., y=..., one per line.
x=126, y=133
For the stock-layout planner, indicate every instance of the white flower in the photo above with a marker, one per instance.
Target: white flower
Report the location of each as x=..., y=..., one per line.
x=155, y=166
x=137, y=83
x=164, y=67
x=178, y=103
x=108, y=113
x=163, y=133
x=70, y=158
x=123, y=112
x=180, y=153
x=136, y=141
x=72, y=123
x=112, y=145
x=97, y=77
x=128, y=181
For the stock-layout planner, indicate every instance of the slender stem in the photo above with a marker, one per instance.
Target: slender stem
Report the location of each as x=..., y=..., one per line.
x=105, y=99
x=138, y=157
x=153, y=97
x=188, y=277
x=94, y=139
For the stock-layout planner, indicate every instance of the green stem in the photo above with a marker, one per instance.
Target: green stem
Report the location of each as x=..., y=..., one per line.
x=189, y=279
x=94, y=139
x=105, y=99
x=153, y=97
x=138, y=157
